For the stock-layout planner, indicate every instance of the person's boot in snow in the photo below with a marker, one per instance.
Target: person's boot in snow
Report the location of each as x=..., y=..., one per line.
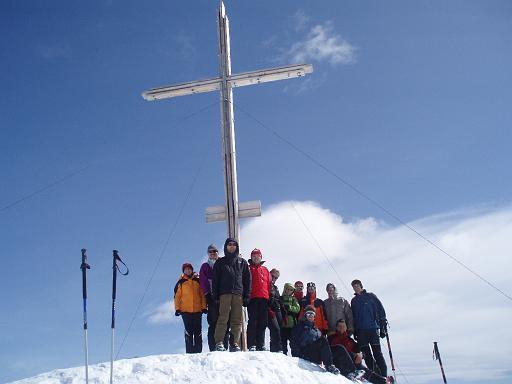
x=331, y=368
x=220, y=347
x=234, y=348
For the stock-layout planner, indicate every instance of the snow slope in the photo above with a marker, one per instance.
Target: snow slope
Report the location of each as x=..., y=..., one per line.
x=213, y=367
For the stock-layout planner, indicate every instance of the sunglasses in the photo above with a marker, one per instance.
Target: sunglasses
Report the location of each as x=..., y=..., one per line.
x=232, y=244
x=299, y=287
x=213, y=251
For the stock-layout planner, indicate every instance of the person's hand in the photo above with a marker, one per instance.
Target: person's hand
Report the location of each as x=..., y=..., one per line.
x=208, y=297
x=271, y=314
x=177, y=313
x=245, y=302
x=383, y=333
x=204, y=311
x=359, y=358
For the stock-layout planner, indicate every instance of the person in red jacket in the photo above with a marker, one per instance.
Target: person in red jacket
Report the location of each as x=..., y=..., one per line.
x=348, y=357
x=259, y=302
x=299, y=288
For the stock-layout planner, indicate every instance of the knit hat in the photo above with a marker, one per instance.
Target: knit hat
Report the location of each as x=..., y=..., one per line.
x=309, y=310
x=212, y=248
x=299, y=282
x=311, y=284
x=187, y=265
x=256, y=251
x=356, y=281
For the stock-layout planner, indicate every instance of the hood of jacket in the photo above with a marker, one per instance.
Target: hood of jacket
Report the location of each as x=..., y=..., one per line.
x=231, y=254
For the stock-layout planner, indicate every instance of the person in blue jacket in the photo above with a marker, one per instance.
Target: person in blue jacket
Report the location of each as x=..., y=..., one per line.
x=369, y=323
x=308, y=342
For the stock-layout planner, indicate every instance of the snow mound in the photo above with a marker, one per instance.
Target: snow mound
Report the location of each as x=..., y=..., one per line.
x=213, y=367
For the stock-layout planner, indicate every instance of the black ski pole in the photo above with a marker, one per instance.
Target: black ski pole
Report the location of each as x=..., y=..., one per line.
x=437, y=356
x=391, y=356
x=84, y=267
x=115, y=269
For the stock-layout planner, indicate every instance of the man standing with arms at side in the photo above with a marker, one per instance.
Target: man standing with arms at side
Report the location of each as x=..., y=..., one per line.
x=231, y=287
x=369, y=318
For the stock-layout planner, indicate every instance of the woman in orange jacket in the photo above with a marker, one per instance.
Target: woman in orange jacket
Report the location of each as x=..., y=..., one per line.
x=190, y=304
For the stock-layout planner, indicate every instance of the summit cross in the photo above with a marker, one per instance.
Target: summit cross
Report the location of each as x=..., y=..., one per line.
x=225, y=82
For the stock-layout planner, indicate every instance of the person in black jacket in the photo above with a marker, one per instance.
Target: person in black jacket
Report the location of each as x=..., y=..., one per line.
x=231, y=287
x=369, y=317
x=274, y=313
x=308, y=343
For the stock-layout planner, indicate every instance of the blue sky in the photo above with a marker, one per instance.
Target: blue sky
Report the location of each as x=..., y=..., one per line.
x=409, y=102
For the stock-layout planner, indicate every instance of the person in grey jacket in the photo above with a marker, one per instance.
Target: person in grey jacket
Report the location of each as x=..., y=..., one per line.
x=336, y=308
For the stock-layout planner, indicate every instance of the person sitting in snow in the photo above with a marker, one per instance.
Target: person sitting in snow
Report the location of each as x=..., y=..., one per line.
x=369, y=317
x=190, y=303
x=348, y=357
x=231, y=287
x=275, y=317
x=318, y=304
x=308, y=343
x=336, y=307
x=259, y=303
x=290, y=309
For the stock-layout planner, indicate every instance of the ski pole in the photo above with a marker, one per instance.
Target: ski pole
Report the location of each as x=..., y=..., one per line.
x=437, y=356
x=391, y=356
x=84, y=267
x=115, y=269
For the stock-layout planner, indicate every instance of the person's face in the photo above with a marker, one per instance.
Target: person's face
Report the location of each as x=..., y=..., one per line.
x=187, y=271
x=310, y=317
x=288, y=291
x=231, y=246
x=311, y=289
x=256, y=258
x=331, y=290
x=274, y=277
x=341, y=327
x=357, y=288
x=299, y=287
x=213, y=255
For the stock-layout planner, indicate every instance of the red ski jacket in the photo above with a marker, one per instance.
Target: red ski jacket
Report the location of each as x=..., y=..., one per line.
x=345, y=340
x=260, y=281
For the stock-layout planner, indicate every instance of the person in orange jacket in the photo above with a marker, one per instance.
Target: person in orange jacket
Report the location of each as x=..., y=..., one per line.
x=318, y=304
x=190, y=304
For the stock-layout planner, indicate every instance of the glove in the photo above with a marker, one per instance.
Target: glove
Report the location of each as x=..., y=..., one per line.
x=245, y=302
x=208, y=297
x=204, y=311
x=177, y=313
x=271, y=314
x=383, y=333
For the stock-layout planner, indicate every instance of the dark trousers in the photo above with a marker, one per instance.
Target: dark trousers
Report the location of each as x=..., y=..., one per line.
x=193, y=335
x=286, y=336
x=275, y=335
x=318, y=352
x=258, y=318
x=342, y=360
x=368, y=340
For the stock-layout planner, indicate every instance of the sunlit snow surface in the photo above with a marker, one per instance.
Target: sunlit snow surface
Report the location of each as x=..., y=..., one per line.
x=216, y=367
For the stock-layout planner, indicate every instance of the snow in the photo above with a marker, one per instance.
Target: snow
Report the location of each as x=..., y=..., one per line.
x=212, y=367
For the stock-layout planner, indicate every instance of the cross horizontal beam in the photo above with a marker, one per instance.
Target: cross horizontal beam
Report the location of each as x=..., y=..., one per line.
x=237, y=80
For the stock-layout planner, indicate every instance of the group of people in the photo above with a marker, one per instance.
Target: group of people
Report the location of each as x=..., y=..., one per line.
x=333, y=331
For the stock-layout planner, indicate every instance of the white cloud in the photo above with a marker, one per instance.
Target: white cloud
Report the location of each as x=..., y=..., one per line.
x=428, y=296
x=162, y=313
x=322, y=44
x=186, y=46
